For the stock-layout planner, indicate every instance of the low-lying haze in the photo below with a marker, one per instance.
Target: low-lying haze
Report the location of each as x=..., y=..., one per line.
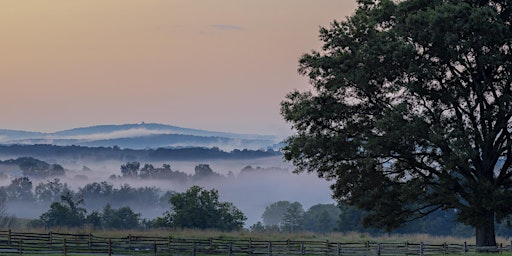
x=250, y=192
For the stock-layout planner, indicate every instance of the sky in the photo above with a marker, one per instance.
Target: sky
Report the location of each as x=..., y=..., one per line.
x=221, y=65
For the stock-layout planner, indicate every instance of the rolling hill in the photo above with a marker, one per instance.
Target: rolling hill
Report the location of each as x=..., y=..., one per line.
x=141, y=136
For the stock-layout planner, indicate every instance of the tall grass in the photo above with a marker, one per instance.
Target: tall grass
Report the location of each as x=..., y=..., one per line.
x=348, y=237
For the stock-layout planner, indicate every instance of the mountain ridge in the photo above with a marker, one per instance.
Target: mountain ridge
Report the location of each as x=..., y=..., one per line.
x=141, y=136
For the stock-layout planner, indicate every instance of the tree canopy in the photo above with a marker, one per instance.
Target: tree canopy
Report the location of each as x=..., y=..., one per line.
x=200, y=208
x=411, y=111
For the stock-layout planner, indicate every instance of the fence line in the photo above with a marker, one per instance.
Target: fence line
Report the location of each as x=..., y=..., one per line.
x=19, y=243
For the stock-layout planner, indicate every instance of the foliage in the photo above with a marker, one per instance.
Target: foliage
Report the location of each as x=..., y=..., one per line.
x=411, y=111
x=123, y=218
x=290, y=217
x=6, y=220
x=258, y=227
x=64, y=214
x=274, y=213
x=321, y=218
x=201, y=209
x=20, y=189
x=51, y=191
x=97, y=194
x=130, y=169
x=293, y=217
x=36, y=168
x=148, y=171
x=203, y=171
x=68, y=213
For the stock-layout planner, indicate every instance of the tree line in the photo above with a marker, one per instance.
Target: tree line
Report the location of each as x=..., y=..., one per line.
x=33, y=168
x=103, y=206
x=124, y=154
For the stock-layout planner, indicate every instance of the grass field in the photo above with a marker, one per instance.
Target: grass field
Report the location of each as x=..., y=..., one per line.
x=311, y=239
x=245, y=234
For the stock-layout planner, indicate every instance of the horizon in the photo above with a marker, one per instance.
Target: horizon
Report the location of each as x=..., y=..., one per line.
x=136, y=124
x=212, y=65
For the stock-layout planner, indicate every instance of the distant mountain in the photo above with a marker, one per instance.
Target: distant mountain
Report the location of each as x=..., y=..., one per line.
x=141, y=136
x=16, y=135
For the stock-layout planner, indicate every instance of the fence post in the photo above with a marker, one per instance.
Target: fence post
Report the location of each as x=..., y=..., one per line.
x=155, y=248
x=378, y=249
x=465, y=247
x=194, y=249
x=250, y=246
x=169, y=245
x=338, y=249
x=65, y=249
x=302, y=249
x=89, y=242
x=9, y=235
x=421, y=248
x=230, y=248
x=109, y=247
x=21, y=247
x=129, y=242
x=511, y=246
x=269, y=249
x=445, y=248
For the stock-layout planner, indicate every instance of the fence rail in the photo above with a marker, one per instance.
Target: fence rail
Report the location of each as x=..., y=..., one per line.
x=17, y=243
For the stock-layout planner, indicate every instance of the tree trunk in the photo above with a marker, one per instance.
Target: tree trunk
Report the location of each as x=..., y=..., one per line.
x=485, y=235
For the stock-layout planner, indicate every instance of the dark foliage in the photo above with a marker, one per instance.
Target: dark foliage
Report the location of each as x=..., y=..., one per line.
x=411, y=112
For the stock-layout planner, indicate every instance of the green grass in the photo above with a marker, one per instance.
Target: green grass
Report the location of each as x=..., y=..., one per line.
x=351, y=237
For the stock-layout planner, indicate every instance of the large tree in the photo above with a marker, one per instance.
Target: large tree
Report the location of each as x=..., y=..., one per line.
x=411, y=111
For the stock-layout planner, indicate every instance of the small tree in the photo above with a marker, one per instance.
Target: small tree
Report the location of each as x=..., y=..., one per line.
x=65, y=214
x=20, y=189
x=122, y=218
x=130, y=169
x=293, y=217
x=51, y=191
x=200, y=208
x=274, y=213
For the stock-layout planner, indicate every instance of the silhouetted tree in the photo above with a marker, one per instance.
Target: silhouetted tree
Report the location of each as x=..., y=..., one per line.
x=411, y=111
x=65, y=214
x=200, y=208
x=202, y=171
x=51, y=191
x=130, y=169
x=20, y=189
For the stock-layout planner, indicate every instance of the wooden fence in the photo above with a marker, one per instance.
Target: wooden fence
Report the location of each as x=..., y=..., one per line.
x=15, y=243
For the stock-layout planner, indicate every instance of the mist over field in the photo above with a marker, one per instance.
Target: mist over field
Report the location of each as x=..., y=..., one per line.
x=95, y=154
x=250, y=192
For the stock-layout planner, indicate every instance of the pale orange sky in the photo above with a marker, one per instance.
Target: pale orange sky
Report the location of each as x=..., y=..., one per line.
x=220, y=65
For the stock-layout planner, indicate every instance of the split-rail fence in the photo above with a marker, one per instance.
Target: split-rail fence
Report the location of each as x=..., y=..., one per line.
x=18, y=243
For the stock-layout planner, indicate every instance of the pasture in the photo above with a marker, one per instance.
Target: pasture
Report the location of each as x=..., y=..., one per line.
x=198, y=243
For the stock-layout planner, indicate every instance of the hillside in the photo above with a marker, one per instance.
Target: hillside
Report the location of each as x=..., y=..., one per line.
x=141, y=136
